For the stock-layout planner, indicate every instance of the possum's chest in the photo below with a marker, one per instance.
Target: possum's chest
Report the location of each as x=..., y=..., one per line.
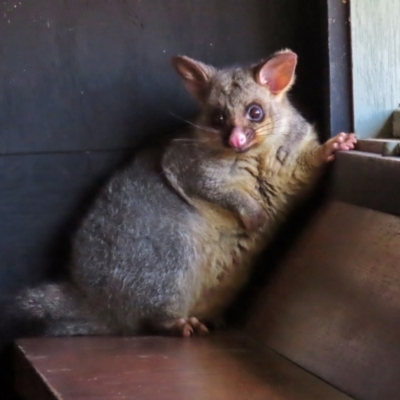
x=225, y=261
x=225, y=253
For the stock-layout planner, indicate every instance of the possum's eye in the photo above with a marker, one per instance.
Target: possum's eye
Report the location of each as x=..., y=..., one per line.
x=255, y=113
x=218, y=119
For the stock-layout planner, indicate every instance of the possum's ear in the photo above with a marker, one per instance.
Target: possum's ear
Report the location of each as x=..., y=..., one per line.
x=196, y=76
x=278, y=72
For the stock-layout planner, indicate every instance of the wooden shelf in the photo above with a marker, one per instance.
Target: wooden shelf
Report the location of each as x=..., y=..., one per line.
x=222, y=366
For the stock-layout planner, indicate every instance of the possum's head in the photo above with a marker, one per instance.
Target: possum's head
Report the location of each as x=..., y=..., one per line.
x=240, y=107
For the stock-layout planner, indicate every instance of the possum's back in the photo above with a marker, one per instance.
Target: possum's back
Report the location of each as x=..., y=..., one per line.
x=138, y=227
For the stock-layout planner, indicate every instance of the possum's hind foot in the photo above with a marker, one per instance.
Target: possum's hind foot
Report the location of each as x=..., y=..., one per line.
x=184, y=327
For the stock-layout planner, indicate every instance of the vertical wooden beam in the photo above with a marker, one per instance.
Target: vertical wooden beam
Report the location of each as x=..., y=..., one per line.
x=324, y=86
x=340, y=78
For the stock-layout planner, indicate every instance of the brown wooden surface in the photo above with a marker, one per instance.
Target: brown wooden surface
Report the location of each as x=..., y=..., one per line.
x=333, y=306
x=222, y=366
x=383, y=147
x=367, y=180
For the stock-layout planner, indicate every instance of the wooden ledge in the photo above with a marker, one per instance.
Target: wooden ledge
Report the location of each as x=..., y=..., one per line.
x=367, y=180
x=222, y=366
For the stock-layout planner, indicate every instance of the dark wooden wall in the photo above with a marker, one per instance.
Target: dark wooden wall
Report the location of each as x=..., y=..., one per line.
x=84, y=81
x=81, y=81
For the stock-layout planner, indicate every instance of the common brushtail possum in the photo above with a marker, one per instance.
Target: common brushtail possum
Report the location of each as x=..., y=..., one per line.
x=173, y=237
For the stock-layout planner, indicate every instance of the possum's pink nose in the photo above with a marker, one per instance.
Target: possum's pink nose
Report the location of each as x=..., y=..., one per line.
x=238, y=138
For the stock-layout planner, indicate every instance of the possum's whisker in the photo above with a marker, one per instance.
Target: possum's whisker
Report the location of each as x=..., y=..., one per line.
x=204, y=128
x=267, y=131
x=191, y=140
x=270, y=123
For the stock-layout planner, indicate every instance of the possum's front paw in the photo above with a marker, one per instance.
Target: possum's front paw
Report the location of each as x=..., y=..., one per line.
x=253, y=218
x=342, y=141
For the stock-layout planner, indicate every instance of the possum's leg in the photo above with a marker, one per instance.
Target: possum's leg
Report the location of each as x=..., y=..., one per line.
x=315, y=156
x=55, y=310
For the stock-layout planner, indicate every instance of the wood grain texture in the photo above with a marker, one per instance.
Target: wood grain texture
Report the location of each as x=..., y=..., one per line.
x=332, y=307
x=375, y=33
x=223, y=367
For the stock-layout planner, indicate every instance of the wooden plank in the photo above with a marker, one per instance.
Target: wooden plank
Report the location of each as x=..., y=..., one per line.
x=324, y=85
x=90, y=75
x=340, y=85
x=332, y=306
x=396, y=123
x=41, y=198
x=375, y=33
x=367, y=180
x=383, y=147
x=310, y=96
x=224, y=367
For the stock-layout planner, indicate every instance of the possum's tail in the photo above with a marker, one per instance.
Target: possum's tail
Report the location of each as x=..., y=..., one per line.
x=49, y=310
